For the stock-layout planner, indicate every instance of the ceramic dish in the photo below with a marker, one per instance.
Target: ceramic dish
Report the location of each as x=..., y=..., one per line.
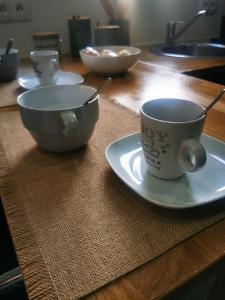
x=56, y=116
x=30, y=81
x=110, y=65
x=192, y=189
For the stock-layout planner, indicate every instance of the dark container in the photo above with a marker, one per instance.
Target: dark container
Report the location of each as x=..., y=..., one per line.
x=107, y=35
x=222, y=27
x=79, y=34
x=124, y=31
x=47, y=41
x=9, y=64
x=116, y=32
x=221, y=38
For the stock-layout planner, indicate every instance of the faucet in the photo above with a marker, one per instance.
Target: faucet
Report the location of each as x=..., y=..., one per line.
x=172, y=35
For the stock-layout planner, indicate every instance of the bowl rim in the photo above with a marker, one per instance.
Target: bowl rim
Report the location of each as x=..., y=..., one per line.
x=53, y=87
x=136, y=49
x=13, y=51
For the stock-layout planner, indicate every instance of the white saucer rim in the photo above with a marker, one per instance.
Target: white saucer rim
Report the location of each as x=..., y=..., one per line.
x=32, y=76
x=143, y=195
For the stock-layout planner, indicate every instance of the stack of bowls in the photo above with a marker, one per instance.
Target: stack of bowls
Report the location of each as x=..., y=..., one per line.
x=57, y=117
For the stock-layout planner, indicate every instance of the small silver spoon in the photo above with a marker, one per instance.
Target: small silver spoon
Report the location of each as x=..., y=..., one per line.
x=99, y=90
x=9, y=46
x=211, y=104
x=7, y=49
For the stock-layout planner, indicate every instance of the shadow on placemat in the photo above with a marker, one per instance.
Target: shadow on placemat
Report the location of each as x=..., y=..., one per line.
x=187, y=214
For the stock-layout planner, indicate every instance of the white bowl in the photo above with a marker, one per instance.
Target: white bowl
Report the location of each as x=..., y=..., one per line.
x=110, y=65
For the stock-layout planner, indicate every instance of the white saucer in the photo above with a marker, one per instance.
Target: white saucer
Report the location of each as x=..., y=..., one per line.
x=192, y=189
x=31, y=82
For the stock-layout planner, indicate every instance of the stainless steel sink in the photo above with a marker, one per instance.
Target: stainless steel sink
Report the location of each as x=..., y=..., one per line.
x=191, y=50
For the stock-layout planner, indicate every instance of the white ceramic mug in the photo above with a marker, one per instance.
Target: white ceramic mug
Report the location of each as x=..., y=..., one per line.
x=57, y=117
x=170, y=136
x=45, y=65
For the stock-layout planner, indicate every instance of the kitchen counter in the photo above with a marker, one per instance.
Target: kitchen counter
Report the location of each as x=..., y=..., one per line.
x=180, y=64
x=153, y=77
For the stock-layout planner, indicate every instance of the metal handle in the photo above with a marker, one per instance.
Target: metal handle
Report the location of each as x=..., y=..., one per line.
x=9, y=46
x=217, y=98
x=9, y=278
x=171, y=31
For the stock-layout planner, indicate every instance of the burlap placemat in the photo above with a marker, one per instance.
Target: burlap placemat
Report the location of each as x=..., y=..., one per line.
x=8, y=91
x=74, y=224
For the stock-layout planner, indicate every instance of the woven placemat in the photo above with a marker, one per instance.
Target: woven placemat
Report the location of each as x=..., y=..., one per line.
x=8, y=91
x=74, y=224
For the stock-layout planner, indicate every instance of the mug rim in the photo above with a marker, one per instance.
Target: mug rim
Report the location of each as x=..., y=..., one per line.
x=43, y=53
x=12, y=51
x=172, y=122
x=53, y=87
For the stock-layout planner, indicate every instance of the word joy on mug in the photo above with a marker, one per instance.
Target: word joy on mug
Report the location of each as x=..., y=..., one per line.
x=170, y=136
x=155, y=145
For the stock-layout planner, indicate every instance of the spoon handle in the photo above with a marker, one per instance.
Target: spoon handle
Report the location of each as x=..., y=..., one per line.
x=211, y=104
x=9, y=46
x=99, y=90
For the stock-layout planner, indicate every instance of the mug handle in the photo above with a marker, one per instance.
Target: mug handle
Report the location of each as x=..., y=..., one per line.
x=192, y=155
x=71, y=125
x=55, y=64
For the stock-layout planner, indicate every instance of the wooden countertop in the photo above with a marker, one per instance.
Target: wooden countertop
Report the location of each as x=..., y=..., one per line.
x=154, y=77
x=161, y=77
x=180, y=64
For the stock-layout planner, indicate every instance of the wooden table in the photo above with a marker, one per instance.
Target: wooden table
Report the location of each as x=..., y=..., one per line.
x=149, y=80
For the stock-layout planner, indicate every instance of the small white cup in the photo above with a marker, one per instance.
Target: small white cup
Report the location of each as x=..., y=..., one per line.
x=169, y=136
x=46, y=65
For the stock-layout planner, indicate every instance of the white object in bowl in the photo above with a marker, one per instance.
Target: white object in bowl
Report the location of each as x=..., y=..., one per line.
x=110, y=64
x=56, y=117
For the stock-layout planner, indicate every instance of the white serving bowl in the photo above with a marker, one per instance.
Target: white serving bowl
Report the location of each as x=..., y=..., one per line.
x=110, y=65
x=56, y=117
